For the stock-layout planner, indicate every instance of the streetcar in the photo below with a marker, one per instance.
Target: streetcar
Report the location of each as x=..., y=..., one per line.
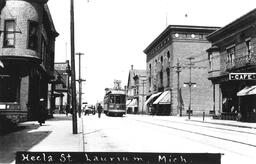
x=115, y=103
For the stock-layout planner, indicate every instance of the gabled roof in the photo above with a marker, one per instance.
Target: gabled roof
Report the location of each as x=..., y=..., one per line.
x=50, y=21
x=133, y=73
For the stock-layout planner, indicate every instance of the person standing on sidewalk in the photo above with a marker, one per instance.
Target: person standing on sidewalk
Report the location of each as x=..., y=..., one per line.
x=99, y=109
x=42, y=113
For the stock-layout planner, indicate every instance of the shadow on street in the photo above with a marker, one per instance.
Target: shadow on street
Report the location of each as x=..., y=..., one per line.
x=22, y=139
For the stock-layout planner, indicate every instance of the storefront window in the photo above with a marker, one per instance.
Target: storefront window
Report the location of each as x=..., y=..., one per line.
x=9, y=89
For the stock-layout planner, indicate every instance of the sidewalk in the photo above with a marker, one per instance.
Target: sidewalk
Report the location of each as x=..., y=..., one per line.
x=210, y=120
x=207, y=119
x=55, y=135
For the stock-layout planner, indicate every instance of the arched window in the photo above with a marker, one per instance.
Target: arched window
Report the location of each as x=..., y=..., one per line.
x=168, y=76
x=168, y=55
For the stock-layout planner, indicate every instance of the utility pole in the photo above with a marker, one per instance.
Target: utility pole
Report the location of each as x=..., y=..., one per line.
x=68, y=72
x=190, y=83
x=80, y=86
x=178, y=70
x=73, y=75
x=143, y=83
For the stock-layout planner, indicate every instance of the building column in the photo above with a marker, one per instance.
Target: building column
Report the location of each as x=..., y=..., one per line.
x=61, y=104
x=214, y=99
x=52, y=100
x=220, y=100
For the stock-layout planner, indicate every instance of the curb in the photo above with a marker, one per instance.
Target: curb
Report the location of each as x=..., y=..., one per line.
x=225, y=124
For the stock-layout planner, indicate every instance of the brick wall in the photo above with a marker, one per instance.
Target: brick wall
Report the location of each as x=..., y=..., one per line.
x=21, y=11
x=202, y=94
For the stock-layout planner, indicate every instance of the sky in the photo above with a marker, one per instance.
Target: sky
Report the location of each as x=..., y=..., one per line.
x=112, y=34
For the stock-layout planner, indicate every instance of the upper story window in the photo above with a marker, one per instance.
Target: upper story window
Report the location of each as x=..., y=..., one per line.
x=9, y=33
x=161, y=78
x=150, y=69
x=249, y=47
x=33, y=35
x=168, y=76
x=231, y=55
x=210, y=62
x=168, y=55
x=149, y=82
x=161, y=59
x=43, y=50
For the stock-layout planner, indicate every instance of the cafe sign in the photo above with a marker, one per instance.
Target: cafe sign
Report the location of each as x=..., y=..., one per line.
x=242, y=76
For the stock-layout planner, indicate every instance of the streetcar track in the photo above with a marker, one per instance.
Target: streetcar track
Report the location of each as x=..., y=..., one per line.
x=232, y=130
x=198, y=133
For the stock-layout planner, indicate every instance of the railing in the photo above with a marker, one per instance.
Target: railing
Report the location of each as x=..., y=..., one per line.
x=241, y=62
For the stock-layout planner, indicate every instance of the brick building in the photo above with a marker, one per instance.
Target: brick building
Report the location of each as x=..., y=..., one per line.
x=27, y=44
x=233, y=51
x=136, y=91
x=173, y=46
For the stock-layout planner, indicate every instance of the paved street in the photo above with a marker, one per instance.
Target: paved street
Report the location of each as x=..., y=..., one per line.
x=135, y=133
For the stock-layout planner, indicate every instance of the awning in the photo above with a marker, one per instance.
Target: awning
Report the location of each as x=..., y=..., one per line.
x=164, y=98
x=133, y=103
x=151, y=97
x=128, y=102
x=247, y=91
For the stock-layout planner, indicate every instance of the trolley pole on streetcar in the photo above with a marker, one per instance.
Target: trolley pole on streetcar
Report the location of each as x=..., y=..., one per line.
x=80, y=86
x=73, y=75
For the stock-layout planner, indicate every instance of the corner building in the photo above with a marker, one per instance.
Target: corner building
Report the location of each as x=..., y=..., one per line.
x=27, y=42
x=174, y=45
x=233, y=51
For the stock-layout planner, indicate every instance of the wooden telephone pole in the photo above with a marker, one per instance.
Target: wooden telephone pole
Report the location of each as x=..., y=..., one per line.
x=73, y=73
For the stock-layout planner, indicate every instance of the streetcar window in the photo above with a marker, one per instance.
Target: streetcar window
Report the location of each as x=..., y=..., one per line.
x=112, y=99
x=122, y=99
x=118, y=100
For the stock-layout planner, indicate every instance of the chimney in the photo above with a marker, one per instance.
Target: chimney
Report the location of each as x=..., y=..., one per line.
x=131, y=67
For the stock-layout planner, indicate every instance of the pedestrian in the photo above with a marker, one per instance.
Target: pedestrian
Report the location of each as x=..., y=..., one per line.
x=42, y=114
x=99, y=109
x=67, y=109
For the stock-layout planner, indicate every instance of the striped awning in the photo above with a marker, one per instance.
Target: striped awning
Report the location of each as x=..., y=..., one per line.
x=133, y=103
x=128, y=102
x=248, y=90
x=164, y=98
x=152, y=96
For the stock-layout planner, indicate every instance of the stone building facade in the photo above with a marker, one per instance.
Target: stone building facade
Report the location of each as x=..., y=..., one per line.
x=27, y=44
x=233, y=52
x=166, y=55
x=136, y=91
